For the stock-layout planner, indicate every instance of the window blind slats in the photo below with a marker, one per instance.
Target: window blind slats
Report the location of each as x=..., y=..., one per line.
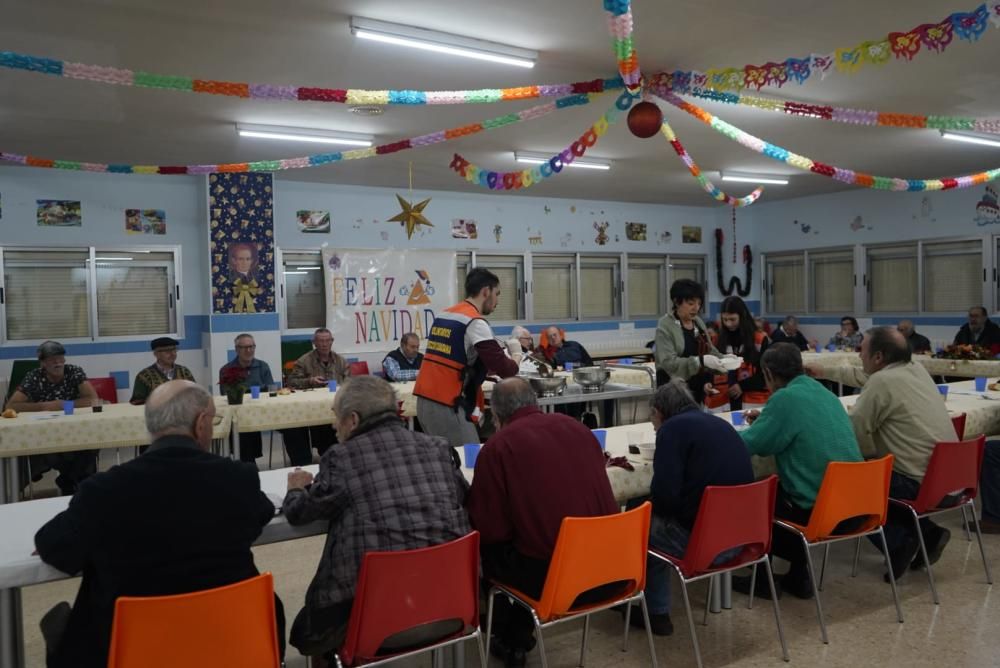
x=644, y=290
x=133, y=300
x=553, y=292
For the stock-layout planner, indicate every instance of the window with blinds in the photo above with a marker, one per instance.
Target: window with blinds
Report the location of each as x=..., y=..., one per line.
x=892, y=280
x=646, y=286
x=831, y=281
x=953, y=275
x=46, y=294
x=510, y=270
x=134, y=293
x=305, y=289
x=553, y=288
x=687, y=267
x=785, y=284
x=599, y=280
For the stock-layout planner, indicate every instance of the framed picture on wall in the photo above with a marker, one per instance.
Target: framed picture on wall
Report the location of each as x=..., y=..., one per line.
x=313, y=221
x=691, y=234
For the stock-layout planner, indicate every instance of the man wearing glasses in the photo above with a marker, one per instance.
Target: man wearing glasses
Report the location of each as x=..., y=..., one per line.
x=165, y=368
x=259, y=374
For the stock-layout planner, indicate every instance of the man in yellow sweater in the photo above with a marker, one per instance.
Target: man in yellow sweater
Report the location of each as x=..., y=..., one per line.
x=900, y=410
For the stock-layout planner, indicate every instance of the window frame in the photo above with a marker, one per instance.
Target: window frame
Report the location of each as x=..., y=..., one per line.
x=515, y=261
x=280, y=287
x=175, y=297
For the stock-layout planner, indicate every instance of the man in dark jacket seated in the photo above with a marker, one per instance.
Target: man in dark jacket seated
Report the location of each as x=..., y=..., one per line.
x=177, y=519
x=979, y=331
x=559, y=351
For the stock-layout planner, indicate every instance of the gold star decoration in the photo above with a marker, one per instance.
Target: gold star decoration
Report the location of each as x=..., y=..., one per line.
x=411, y=215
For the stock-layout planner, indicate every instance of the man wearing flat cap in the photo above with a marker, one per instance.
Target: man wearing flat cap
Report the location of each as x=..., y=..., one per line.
x=45, y=389
x=165, y=368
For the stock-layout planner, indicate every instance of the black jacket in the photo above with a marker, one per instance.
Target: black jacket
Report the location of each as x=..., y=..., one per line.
x=779, y=336
x=176, y=519
x=990, y=336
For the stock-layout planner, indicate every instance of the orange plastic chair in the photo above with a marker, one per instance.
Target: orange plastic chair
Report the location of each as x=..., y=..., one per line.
x=849, y=489
x=589, y=552
x=953, y=470
x=359, y=368
x=401, y=590
x=728, y=517
x=232, y=625
x=105, y=388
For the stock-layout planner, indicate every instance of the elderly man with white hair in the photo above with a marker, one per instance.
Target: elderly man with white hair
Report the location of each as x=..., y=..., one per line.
x=176, y=519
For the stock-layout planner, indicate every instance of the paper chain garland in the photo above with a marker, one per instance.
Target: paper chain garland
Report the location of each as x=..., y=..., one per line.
x=853, y=116
x=123, y=77
x=708, y=186
x=809, y=165
x=968, y=26
x=311, y=160
x=620, y=27
x=529, y=177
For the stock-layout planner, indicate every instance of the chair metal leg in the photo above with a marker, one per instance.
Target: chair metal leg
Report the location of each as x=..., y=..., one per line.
x=822, y=569
x=690, y=616
x=628, y=619
x=927, y=562
x=965, y=521
x=541, y=641
x=979, y=537
x=708, y=599
x=753, y=587
x=777, y=610
x=479, y=646
x=437, y=661
x=892, y=576
x=857, y=556
x=489, y=618
x=812, y=579
x=583, y=642
x=31, y=485
x=649, y=628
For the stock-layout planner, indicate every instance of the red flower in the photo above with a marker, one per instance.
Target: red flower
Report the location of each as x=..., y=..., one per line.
x=233, y=375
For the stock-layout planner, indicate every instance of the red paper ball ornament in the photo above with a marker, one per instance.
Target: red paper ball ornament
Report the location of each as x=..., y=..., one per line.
x=645, y=119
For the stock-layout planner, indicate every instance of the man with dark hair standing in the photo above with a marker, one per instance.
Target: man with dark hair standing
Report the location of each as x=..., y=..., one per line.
x=520, y=494
x=899, y=411
x=979, y=331
x=461, y=351
x=403, y=364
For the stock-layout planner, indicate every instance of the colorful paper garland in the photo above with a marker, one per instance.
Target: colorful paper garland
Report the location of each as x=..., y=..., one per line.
x=620, y=26
x=311, y=160
x=705, y=183
x=124, y=77
x=968, y=26
x=529, y=177
x=853, y=116
x=837, y=173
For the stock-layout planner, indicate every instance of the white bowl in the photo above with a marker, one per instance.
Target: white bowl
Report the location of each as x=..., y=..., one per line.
x=647, y=450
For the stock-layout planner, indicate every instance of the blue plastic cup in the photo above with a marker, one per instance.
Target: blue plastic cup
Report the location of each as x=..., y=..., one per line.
x=943, y=389
x=255, y=391
x=627, y=360
x=819, y=348
x=738, y=419
x=471, y=454
x=980, y=383
x=568, y=366
x=68, y=407
x=831, y=347
x=331, y=385
x=602, y=437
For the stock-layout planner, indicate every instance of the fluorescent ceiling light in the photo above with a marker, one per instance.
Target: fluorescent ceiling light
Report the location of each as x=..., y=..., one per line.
x=970, y=139
x=303, y=134
x=750, y=178
x=583, y=163
x=286, y=273
x=441, y=42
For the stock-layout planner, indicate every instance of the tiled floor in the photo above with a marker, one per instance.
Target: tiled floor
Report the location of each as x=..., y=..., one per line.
x=963, y=631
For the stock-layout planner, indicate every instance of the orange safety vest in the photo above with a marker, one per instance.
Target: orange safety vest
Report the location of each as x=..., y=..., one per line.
x=445, y=373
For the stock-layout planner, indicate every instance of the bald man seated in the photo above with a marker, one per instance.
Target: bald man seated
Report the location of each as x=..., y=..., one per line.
x=176, y=519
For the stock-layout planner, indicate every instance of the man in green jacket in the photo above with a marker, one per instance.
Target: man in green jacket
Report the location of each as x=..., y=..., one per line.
x=804, y=427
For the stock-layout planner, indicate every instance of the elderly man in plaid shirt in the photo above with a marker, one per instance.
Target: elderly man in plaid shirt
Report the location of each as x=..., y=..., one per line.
x=381, y=488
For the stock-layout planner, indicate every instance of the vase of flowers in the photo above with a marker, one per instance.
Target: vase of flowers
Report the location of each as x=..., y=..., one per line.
x=233, y=384
x=965, y=352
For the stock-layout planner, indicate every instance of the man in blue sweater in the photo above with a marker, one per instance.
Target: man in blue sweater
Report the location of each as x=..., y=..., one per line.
x=693, y=450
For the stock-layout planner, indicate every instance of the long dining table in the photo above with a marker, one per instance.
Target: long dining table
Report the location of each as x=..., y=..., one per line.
x=20, y=521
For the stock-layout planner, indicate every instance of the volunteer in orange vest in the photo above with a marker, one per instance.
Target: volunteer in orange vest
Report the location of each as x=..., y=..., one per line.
x=461, y=352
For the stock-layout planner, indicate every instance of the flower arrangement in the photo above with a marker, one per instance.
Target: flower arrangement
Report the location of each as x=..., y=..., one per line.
x=232, y=380
x=965, y=351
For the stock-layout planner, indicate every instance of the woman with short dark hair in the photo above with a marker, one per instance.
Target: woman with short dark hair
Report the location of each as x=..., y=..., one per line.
x=849, y=337
x=683, y=349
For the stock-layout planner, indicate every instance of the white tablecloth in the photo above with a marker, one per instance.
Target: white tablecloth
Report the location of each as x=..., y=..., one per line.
x=935, y=366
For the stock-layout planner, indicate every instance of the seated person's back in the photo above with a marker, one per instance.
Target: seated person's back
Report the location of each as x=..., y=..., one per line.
x=176, y=519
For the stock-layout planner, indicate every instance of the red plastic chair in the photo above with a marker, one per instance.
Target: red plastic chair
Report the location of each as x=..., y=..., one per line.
x=589, y=552
x=848, y=490
x=402, y=590
x=953, y=470
x=105, y=388
x=232, y=625
x=729, y=517
x=959, y=423
x=359, y=368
